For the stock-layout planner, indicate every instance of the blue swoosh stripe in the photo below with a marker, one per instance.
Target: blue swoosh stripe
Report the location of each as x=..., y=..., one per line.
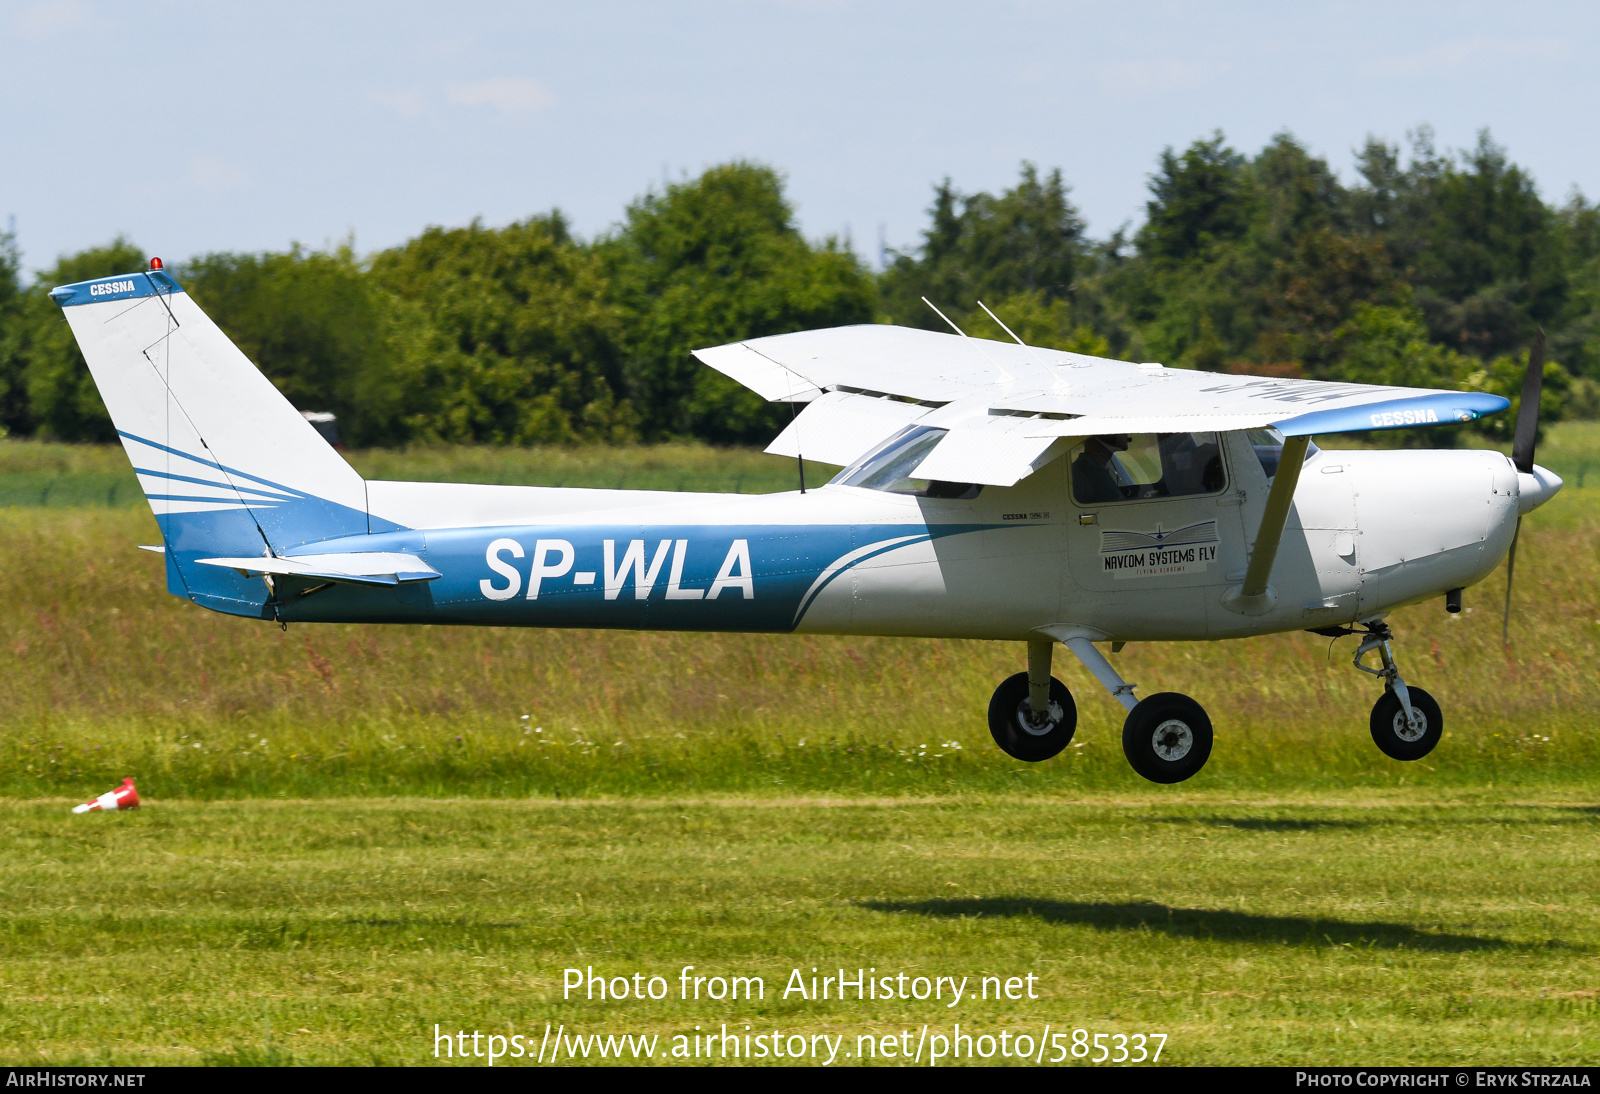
x=209, y=463
x=809, y=600
x=276, y=494
x=234, y=503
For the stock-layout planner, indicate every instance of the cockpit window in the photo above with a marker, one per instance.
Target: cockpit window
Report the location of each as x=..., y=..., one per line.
x=1268, y=444
x=1124, y=467
x=889, y=466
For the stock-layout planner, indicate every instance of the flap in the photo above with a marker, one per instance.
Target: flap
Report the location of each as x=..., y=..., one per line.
x=840, y=427
x=990, y=454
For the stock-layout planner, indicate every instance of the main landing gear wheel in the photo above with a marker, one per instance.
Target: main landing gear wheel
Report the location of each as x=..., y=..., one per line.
x=1019, y=733
x=1167, y=737
x=1401, y=738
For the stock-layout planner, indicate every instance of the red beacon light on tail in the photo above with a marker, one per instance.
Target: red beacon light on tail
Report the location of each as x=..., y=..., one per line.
x=155, y=264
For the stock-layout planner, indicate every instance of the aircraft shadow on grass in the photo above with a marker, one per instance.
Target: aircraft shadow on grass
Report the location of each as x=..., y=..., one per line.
x=1197, y=923
x=1540, y=817
x=1267, y=824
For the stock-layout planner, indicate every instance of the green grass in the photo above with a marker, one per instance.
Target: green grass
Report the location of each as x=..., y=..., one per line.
x=38, y=474
x=1572, y=450
x=1389, y=928
x=354, y=832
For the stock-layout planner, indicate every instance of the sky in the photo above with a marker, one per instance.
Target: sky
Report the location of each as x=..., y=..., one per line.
x=194, y=128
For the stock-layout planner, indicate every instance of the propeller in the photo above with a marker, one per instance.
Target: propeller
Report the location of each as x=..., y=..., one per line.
x=1522, y=445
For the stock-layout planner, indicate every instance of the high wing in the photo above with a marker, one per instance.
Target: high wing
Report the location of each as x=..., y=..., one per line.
x=1010, y=409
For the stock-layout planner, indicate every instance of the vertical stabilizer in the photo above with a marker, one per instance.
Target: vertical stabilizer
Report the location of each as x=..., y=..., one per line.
x=228, y=465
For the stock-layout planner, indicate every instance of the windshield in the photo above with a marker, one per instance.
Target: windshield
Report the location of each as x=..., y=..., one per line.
x=888, y=467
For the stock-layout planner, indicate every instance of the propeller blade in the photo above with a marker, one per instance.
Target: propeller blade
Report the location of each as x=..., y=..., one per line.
x=1511, y=573
x=1528, y=413
x=1522, y=445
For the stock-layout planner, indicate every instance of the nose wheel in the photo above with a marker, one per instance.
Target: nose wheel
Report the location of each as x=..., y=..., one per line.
x=1406, y=721
x=1402, y=734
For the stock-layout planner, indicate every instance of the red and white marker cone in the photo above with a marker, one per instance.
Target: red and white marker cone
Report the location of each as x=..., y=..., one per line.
x=125, y=796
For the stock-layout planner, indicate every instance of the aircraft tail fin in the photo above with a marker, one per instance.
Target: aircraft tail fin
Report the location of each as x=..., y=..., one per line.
x=228, y=465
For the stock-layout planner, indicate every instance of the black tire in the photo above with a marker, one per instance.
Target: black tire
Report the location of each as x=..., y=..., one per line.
x=1011, y=729
x=1391, y=733
x=1167, y=737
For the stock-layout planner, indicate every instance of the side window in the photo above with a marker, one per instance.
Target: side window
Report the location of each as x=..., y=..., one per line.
x=1123, y=467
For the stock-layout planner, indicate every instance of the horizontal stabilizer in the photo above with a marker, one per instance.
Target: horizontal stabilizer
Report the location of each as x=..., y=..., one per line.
x=355, y=568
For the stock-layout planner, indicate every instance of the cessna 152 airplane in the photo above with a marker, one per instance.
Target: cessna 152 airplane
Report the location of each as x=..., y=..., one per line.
x=990, y=490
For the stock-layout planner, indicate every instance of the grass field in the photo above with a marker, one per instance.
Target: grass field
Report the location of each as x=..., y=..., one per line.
x=353, y=833
x=1409, y=927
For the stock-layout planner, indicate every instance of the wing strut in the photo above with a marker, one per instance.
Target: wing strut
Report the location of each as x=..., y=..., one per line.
x=1252, y=598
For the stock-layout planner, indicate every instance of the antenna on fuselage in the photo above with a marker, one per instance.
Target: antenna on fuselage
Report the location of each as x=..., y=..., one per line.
x=1004, y=375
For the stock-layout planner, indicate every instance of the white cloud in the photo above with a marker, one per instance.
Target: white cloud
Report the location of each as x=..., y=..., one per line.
x=214, y=175
x=507, y=94
x=52, y=18
x=1480, y=52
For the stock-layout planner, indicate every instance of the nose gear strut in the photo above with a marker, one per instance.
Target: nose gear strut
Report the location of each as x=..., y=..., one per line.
x=1406, y=722
x=1379, y=637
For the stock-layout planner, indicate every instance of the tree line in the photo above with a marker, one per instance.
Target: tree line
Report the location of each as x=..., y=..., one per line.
x=1433, y=269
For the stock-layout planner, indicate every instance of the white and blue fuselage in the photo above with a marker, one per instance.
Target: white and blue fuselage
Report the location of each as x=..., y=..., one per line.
x=1370, y=531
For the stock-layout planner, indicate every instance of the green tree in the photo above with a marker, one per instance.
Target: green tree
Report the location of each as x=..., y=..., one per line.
x=1250, y=264
x=1385, y=344
x=14, y=415
x=1028, y=240
x=63, y=402
x=1504, y=376
x=1196, y=199
x=1390, y=345
x=502, y=335
x=1575, y=335
x=1483, y=251
x=710, y=261
x=309, y=320
x=1038, y=321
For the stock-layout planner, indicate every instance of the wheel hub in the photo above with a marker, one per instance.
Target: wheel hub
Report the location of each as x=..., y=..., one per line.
x=1410, y=730
x=1035, y=726
x=1172, y=740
